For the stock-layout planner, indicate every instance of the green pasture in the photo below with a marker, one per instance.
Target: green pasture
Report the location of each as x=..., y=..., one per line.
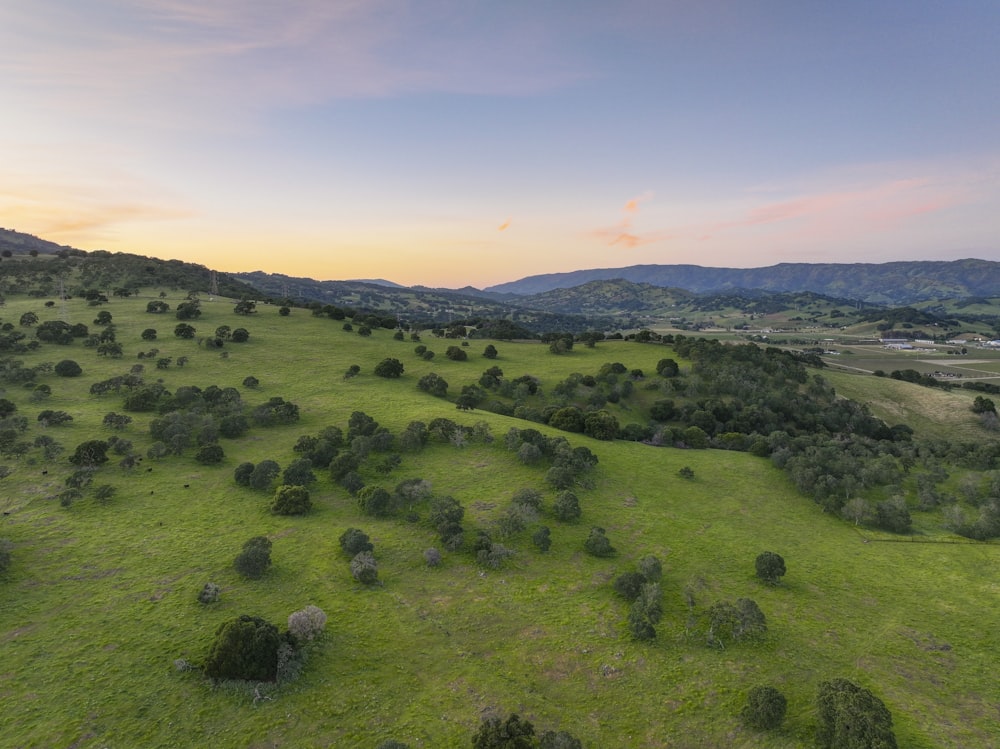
x=100, y=599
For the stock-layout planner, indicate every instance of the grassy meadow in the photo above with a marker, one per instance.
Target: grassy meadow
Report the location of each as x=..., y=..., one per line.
x=100, y=598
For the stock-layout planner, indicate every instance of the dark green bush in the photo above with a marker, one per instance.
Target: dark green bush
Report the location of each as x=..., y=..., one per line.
x=244, y=648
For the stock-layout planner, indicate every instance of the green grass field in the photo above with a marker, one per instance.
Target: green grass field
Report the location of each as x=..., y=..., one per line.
x=100, y=599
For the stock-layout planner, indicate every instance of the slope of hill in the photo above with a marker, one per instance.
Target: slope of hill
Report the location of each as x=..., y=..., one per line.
x=101, y=622
x=17, y=242
x=885, y=283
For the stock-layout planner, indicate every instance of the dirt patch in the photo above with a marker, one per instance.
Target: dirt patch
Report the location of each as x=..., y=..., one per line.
x=630, y=501
x=927, y=643
x=15, y=633
x=96, y=574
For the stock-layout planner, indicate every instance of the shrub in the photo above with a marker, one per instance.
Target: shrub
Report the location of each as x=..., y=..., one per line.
x=291, y=500
x=364, y=568
x=629, y=585
x=765, y=708
x=210, y=593
x=299, y=473
x=512, y=733
x=242, y=473
x=597, y=543
x=255, y=558
x=434, y=384
x=90, y=453
x=244, y=648
x=209, y=455
x=456, y=353
x=542, y=538
x=354, y=541
x=263, y=474
x=375, y=501
x=729, y=622
x=851, y=717
x=306, y=624
x=68, y=368
x=389, y=367
x=567, y=507
x=432, y=557
x=770, y=567
x=651, y=569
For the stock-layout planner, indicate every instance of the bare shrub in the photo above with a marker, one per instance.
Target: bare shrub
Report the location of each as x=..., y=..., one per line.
x=307, y=623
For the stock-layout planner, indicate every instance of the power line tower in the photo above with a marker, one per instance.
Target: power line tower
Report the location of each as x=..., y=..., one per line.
x=214, y=288
x=63, y=312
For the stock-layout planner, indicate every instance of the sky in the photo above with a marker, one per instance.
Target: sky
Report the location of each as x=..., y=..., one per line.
x=448, y=143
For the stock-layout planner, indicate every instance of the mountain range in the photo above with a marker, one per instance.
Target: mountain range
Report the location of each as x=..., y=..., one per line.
x=894, y=283
x=634, y=290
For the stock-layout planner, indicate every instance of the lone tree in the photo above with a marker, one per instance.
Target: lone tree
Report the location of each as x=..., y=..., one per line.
x=244, y=648
x=255, y=558
x=68, y=368
x=851, y=717
x=512, y=733
x=597, y=543
x=770, y=567
x=456, y=353
x=765, y=708
x=389, y=367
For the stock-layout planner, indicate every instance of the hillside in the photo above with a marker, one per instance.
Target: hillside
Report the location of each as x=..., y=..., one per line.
x=100, y=596
x=896, y=283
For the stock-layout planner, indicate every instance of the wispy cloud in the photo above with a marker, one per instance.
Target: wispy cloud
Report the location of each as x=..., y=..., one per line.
x=622, y=233
x=177, y=58
x=504, y=226
x=85, y=210
x=881, y=206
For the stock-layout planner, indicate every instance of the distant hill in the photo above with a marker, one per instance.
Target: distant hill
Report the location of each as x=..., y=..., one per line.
x=40, y=268
x=19, y=243
x=885, y=283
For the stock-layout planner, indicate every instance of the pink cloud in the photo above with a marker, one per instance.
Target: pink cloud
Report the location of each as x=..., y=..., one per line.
x=823, y=215
x=622, y=234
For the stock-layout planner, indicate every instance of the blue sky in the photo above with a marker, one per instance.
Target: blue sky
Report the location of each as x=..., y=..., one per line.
x=452, y=143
